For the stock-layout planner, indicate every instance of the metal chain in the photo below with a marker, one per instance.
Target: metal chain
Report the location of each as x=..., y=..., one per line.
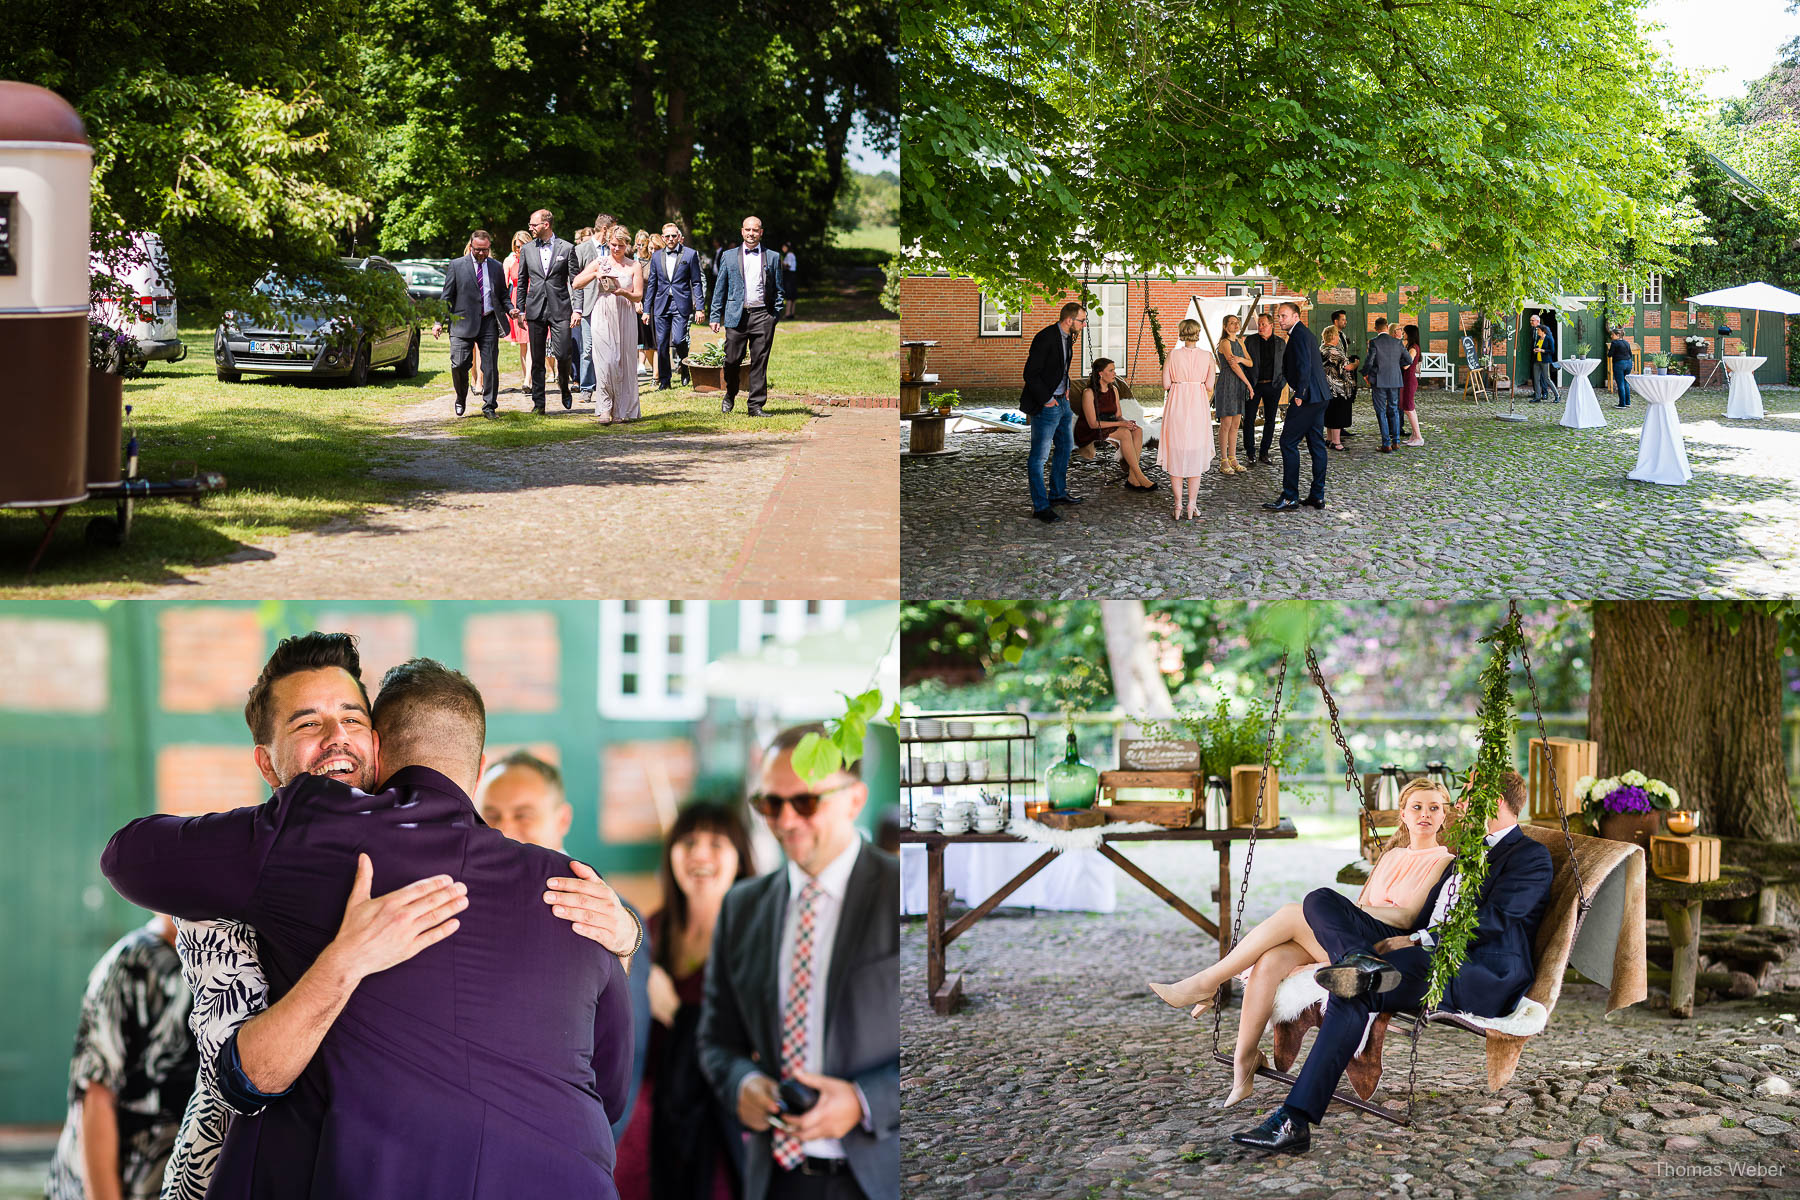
x=1351, y=784
x=1582, y=901
x=1262, y=783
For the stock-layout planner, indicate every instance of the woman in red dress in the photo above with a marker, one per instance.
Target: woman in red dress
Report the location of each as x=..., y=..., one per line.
x=516, y=331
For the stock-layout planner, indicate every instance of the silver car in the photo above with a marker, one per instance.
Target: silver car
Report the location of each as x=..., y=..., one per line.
x=324, y=347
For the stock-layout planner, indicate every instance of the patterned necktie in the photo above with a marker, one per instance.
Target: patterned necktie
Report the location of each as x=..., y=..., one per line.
x=788, y=1151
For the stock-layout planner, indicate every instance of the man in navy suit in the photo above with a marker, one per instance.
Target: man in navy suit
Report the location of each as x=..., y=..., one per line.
x=1540, y=343
x=488, y=1064
x=475, y=294
x=1497, y=967
x=1304, y=371
x=674, y=290
x=746, y=304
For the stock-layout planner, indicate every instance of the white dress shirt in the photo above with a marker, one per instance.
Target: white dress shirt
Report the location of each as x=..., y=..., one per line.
x=828, y=906
x=669, y=263
x=1447, y=896
x=544, y=249
x=753, y=279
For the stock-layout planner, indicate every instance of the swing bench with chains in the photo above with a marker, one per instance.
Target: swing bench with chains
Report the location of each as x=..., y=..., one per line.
x=1425, y=1014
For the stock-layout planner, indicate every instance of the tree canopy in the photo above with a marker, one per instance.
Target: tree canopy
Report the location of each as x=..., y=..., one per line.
x=1485, y=152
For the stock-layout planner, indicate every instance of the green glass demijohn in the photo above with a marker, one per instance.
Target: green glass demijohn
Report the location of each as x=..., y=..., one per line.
x=1071, y=783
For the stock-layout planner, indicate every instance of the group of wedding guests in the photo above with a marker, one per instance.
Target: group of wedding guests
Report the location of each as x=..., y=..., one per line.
x=609, y=310
x=1207, y=395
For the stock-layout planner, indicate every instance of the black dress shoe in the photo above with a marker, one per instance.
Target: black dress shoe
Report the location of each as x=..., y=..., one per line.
x=1280, y=1132
x=1065, y=500
x=1282, y=505
x=538, y=409
x=1046, y=515
x=662, y=387
x=459, y=407
x=755, y=412
x=725, y=405
x=492, y=414
x=568, y=401
x=1311, y=503
x=1357, y=975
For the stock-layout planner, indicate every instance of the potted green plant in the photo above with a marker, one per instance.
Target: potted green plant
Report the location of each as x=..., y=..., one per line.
x=707, y=368
x=1072, y=783
x=946, y=402
x=1231, y=755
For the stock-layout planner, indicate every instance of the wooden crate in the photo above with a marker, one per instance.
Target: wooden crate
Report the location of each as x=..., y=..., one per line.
x=1080, y=818
x=1375, y=826
x=1243, y=797
x=1155, y=812
x=1573, y=758
x=1691, y=859
x=1174, y=814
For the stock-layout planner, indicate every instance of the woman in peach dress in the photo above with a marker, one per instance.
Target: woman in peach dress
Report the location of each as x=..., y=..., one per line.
x=1185, y=447
x=1403, y=877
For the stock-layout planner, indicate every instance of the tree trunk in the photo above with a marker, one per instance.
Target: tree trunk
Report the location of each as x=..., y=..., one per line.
x=1131, y=657
x=678, y=162
x=1698, y=707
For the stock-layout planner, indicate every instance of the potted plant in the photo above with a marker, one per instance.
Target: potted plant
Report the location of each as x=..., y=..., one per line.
x=707, y=368
x=113, y=357
x=945, y=402
x=1072, y=783
x=1231, y=755
x=1625, y=808
x=1661, y=363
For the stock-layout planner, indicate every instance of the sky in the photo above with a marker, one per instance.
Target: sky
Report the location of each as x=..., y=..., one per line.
x=1740, y=36
x=864, y=159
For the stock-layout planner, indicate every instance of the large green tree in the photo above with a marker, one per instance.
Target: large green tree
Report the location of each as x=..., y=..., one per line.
x=1483, y=151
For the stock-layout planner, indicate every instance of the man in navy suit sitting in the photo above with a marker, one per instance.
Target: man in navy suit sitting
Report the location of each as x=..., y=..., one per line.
x=1497, y=965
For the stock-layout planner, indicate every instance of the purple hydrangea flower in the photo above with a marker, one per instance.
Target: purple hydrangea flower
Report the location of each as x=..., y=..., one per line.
x=1628, y=799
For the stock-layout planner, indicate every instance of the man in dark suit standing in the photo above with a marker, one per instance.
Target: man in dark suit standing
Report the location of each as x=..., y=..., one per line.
x=674, y=291
x=546, y=267
x=746, y=304
x=1341, y=320
x=475, y=294
x=1540, y=343
x=1266, y=351
x=1046, y=401
x=803, y=986
x=488, y=1064
x=1496, y=970
x=1304, y=372
x=1385, y=370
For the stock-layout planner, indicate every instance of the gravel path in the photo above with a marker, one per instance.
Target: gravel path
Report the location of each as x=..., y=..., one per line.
x=638, y=514
x=1063, y=1077
x=1484, y=507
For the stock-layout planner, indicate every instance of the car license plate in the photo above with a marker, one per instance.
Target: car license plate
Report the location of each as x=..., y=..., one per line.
x=271, y=347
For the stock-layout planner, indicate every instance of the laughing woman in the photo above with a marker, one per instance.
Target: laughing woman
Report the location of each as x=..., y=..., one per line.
x=1283, y=944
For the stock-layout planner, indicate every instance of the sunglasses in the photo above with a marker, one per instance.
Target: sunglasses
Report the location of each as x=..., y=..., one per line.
x=805, y=804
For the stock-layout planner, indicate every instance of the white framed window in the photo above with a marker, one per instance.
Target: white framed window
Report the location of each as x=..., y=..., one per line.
x=1626, y=294
x=652, y=659
x=1237, y=289
x=1653, y=289
x=761, y=621
x=1105, y=328
x=996, y=322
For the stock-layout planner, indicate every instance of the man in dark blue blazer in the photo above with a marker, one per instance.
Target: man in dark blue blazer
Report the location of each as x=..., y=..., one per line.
x=475, y=294
x=1497, y=967
x=1304, y=371
x=487, y=1065
x=674, y=291
x=1540, y=344
x=746, y=304
x=1048, y=402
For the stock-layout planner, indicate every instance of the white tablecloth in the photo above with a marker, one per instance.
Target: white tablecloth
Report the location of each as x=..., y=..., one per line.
x=1662, y=457
x=1745, y=401
x=1582, y=409
x=1077, y=881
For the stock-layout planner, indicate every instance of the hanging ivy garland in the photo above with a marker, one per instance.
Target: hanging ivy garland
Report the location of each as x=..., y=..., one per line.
x=1467, y=836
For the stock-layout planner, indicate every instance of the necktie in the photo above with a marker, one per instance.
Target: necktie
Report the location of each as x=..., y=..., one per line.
x=788, y=1151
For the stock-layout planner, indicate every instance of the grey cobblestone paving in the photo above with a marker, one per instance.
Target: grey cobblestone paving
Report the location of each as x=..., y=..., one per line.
x=1063, y=1077
x=1485, y=507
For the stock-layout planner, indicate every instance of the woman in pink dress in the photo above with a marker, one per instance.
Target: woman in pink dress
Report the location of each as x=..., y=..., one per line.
x=1398, y=886
x=516, y=331
x=613, y=334
x=1186, y=444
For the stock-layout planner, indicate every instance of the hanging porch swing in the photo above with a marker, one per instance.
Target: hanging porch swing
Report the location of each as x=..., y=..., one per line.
x=1566, y=935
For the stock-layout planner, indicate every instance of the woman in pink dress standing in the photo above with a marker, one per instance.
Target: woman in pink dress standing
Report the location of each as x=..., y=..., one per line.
x=613, y=336
x=516, y=332
x=1186, y=444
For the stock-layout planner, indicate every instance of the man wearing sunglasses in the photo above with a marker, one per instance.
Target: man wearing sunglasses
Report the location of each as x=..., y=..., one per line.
x=805, y=990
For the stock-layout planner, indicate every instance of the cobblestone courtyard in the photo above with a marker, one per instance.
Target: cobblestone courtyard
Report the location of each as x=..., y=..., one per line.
x=1064, y=1077
x=1484, y=507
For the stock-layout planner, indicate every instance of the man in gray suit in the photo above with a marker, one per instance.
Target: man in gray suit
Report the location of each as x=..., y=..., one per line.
x=746, y=303
x=546, y=265
x=803, y=987
x=475, y=294
x=1384, y=368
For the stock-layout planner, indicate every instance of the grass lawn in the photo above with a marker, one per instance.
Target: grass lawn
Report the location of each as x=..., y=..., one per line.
x=885, y=238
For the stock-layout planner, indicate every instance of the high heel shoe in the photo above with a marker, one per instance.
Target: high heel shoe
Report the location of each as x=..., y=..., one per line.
x=1241, y=1091
x=1200, y=1003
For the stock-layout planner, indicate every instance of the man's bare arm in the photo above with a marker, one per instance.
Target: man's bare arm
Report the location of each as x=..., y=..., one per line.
x=100, y=1141
x=274, y=1046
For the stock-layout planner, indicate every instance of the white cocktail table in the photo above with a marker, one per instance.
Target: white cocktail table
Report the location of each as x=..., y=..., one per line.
x=1582, y=409
x=1662, y=457
x=1745, y=401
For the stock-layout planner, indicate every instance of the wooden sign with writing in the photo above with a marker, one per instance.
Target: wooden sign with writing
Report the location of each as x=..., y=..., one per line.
x=1143, y=754
x=1469, y=354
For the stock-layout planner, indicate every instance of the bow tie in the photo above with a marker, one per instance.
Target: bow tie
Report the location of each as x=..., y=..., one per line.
x=540, y=243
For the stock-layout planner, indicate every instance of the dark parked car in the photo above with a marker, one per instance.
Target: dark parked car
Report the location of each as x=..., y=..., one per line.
x=325, y=347
x=424, y=280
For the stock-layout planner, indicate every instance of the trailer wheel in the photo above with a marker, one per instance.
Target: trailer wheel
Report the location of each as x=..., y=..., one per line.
x=105, y=531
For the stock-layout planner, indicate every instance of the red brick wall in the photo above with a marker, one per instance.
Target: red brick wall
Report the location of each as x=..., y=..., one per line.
x=196, y=779
x=634, y=778
x=383, y=640
x=210, y=657
x=514, y=658
x=49, y=665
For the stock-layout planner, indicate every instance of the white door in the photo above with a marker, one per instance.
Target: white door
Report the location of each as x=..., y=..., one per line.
x=1106, y=328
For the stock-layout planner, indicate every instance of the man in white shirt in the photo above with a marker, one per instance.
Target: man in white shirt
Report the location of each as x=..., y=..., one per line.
x=800, y=1031
x=1497, y=965
x=746, y=304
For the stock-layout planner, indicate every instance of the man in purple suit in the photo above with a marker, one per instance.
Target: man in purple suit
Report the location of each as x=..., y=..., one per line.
x=489, y=1063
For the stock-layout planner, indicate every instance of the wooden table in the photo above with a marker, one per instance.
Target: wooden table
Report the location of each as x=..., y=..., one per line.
x=945, y=994
x=1681, y=908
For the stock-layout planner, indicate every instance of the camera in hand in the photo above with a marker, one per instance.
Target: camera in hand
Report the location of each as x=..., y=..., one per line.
x=796, y=1097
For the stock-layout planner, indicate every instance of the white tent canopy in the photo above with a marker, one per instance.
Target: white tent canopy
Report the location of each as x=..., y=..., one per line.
x=1760, y=297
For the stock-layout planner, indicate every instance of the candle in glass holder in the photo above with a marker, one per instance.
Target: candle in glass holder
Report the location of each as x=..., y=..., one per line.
x=1682, y=822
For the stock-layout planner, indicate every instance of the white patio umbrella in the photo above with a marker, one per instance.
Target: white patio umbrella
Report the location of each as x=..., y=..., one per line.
x=1758, y=297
